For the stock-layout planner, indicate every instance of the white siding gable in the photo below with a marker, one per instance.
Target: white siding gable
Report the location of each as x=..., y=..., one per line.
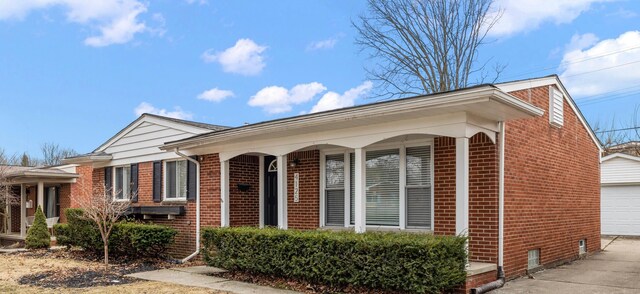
x=556, y=107
x=140, y=142
x=620, y=170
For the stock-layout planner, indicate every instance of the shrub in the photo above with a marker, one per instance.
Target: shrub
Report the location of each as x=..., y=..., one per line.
x=128, y=239
x=38, y=235
x=396, y=261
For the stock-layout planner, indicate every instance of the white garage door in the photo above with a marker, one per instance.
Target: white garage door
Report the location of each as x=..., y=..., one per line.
x=620, y=210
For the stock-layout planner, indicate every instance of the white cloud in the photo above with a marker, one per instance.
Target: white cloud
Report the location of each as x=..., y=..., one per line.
x=116, y=20
x=333, y=100
x=527, y=15
x=244, y=58
x=597, y=68
x=579, y=42
x=200, y=2
x=275, y=99
x=177, y=112
x=215, y=95
x=324, y=44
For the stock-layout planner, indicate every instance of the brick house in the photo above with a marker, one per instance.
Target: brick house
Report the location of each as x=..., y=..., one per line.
x=514, y=166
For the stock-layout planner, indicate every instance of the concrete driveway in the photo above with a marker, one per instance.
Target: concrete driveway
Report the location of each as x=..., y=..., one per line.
x=615, y=270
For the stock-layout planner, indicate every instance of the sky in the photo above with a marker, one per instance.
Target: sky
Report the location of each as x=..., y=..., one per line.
x=76, y=72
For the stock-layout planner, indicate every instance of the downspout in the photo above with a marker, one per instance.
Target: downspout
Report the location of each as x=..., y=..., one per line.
x=501, y=279
x=195, y=253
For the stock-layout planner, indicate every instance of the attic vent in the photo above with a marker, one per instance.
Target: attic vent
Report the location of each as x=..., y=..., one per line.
x=556, y=102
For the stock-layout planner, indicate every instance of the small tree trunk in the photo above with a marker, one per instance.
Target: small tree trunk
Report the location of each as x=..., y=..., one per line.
x=106, y=255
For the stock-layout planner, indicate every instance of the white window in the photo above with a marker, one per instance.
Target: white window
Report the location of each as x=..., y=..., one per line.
x=534, y=259
x=175, y=180
x=334, y=190
x=122, y=180
x=582, y=246
x=393, y=176
x=419, y=187
x=556, y=105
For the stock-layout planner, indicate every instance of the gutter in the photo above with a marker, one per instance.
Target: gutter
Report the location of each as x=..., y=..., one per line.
x=501, y=279
x=197, y=251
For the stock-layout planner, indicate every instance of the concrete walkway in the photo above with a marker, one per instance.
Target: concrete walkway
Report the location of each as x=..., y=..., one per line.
x=200, y=276
x=615, y=270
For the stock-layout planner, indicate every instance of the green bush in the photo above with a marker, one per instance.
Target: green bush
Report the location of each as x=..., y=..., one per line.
x=127, y=239
x=38, y=235
x=396, y=261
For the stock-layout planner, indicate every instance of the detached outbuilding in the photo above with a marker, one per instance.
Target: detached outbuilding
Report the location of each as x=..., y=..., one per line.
x=620, y=179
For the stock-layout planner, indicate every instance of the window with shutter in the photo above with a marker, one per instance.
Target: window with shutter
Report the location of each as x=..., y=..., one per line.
x=122, y=180
x=383, y=187
x=176, y=180
x=418, y=190
x=556, y=107
x=334, y=190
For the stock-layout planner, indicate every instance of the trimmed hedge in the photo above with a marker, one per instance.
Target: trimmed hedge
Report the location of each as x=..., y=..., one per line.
x=127, y=239
x=396, y=261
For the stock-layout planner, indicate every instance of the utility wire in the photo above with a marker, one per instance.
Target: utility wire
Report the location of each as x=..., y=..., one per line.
x=617, y=130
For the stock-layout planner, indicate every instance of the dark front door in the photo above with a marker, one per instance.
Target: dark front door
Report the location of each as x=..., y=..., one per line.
x=270, y=191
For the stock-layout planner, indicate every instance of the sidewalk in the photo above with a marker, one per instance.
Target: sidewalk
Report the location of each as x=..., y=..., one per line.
x=199, y=276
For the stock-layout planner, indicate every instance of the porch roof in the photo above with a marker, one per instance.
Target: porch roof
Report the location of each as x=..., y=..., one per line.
x=484, y=103
x=19, y=174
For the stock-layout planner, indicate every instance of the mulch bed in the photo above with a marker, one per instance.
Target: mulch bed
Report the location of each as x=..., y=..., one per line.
x=91, y=276
x=82, y=278
x=295, y=285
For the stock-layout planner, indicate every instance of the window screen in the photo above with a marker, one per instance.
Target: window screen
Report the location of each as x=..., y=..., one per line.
x=176, y=179
x=122, y=182
x=382, y=189
x=334, y=190
x=418, y=189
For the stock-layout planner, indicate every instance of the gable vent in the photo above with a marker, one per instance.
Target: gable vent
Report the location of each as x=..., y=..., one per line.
x=556, y=102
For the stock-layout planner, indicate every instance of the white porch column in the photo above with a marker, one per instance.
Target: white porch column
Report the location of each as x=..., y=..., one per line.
x=23, y=210
x=224, y=193
x=360, y=191
x=462, y=186
x=40, y=196
x=282, y=191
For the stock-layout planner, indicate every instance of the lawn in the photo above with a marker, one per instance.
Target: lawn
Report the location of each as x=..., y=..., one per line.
x=14, y=268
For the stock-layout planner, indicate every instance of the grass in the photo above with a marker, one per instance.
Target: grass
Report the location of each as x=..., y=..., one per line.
x=12, y=267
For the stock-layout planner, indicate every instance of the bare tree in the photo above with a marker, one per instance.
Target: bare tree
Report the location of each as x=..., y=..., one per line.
x=100, y=206
x=53, y=154
x=619, y=136
x=425, y=46
x=8, y=195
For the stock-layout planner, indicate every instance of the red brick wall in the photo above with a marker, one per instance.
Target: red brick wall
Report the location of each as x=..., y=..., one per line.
x=65, y=200
x=15, y=218
x=244, y=207
x=483, y=199
x=444, y=180
x=185, y=224
x=478, y=280
x=304, y=214
x=83, y=184
x=552, y=187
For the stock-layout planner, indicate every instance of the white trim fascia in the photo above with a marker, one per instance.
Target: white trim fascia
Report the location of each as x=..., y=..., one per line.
x=456, y=98
x=154, y=120
x=620, y=155
x=552, y=80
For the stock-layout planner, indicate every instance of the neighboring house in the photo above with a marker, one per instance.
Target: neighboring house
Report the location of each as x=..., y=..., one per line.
x=620, y=180
x=514, y=166
x=631, y=148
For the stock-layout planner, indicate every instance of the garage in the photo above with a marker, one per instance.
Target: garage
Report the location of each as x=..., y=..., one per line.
x=620, y=195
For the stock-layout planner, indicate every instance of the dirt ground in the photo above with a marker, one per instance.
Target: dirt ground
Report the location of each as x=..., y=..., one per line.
x=13, y=267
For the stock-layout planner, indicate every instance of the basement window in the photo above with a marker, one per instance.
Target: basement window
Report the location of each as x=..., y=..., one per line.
x=582, y=246
x=534, y=259
x=556, y=105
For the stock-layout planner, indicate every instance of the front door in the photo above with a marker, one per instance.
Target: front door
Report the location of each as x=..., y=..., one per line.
x=270, y=191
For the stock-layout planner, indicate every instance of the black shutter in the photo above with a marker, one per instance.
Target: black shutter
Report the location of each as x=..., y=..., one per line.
x=108, y=179
x=57, y=213
x=192, y=175
x=134, y=182
x=157, y=181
